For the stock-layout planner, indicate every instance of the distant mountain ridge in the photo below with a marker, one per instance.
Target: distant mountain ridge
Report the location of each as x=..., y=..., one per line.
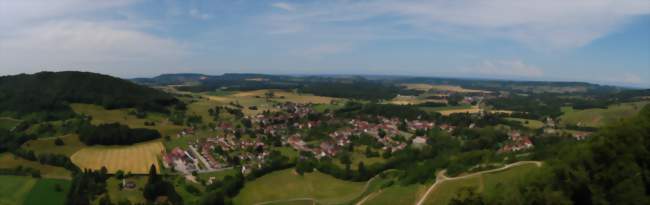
x=50, y=93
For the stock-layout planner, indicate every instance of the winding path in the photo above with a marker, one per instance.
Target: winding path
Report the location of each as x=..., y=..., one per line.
x=441, y=177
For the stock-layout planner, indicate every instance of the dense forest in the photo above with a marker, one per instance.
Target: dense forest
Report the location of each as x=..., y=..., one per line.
x=115, y=134
x=47, y=94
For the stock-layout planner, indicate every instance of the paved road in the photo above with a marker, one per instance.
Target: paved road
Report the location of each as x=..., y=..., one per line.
x=441, y=177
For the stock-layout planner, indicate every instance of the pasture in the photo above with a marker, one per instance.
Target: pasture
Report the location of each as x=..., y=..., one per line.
x=7, y=123
x=597, y=117
x=101, y=115
x=44, y=192
x=486, y=184
x=19, y=190
x=136, y=158
x=397, y=194
x=46, y=145
x=286, y=185
x=8, y=160
x=14, y=189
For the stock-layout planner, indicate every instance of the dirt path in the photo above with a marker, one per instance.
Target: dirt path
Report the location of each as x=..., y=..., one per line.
x=441, y=177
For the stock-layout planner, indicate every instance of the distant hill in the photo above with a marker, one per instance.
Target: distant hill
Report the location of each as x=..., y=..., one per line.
x=49, y=93
x=173, y=79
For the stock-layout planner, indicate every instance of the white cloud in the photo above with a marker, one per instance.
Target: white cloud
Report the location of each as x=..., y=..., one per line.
x=106, y=47
x=195, y=13
x=555, y=24
x=504, y=68
x=319, y=51
x=284, y=6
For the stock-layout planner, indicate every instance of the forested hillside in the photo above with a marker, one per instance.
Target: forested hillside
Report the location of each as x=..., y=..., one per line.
x=48, y=93
x=612, y=168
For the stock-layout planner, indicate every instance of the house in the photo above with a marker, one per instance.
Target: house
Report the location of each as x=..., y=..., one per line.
x=419, y=140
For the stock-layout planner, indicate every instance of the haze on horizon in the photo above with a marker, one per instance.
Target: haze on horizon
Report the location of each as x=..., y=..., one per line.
x=602, y=41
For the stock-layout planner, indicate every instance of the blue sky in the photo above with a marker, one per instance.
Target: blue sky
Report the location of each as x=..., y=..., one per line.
x=602, y=41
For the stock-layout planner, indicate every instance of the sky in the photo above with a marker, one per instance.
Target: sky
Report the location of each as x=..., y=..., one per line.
x=600, y=41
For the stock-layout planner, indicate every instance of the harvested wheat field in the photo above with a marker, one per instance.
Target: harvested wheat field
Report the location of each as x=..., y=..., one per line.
x=135, y=158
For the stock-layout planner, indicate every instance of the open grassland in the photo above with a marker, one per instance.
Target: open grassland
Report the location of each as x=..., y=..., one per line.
x=14, y=189
x=133, y=195
x=19, y=190
x=486, y=183
x=101, y=115
x=597, y=117
x=46, y=145
x=532, y=124
x=135, y=158
x=397, y=194
x=44, y=192
x=286, y=185
x=447, y=190
x=8, y=160
x=7, y=123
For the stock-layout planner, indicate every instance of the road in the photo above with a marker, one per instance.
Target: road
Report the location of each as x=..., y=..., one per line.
x=441, y=177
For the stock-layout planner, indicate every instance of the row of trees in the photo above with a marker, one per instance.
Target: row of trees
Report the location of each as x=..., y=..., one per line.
x=115, y=134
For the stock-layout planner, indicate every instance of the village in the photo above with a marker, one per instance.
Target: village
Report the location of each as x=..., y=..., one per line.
x=289, y=127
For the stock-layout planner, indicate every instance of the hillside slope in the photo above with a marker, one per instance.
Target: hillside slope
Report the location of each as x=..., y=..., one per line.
x=50, y=92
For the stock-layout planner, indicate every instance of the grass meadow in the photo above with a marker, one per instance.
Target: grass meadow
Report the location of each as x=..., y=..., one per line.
x=597, y=117
x=22, y=190
x=8, y=160
x=286, y=185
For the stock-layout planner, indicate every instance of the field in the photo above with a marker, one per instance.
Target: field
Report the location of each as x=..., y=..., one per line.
x=598, y=117
x=8, y=123
x=486, y=184
x=412, y=100
x=286, y=185
x=46, y=145
x=532, y=124
x=398, y=194
x=19, y=190
x=453, y=109
x=450, y=88
x=135, y=158
x=8, y=160
x=45, y=193
x=257, y=98
x=100, y=115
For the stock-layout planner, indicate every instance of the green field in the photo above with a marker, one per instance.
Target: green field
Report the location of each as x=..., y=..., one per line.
x=100, y=115
x=8, y=123
x=19, y=190
x=598, y=117
x=8, y=160
x=45, y=193
x=486, y=184
x=398, y=194
x=46, y=145
x=286, y=185
x=532, y=124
